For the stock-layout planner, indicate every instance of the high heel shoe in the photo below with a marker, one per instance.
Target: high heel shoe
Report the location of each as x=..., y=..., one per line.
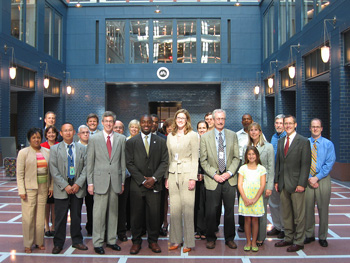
x=42, y=247
x=174, y=247
x=27, y=250
x=186, y=249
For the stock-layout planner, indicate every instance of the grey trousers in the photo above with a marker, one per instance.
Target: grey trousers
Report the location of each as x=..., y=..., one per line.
x=276, y=210
x=263, y=220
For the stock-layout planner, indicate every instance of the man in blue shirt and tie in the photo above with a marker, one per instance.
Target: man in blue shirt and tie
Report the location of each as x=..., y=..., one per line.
x=319, y=183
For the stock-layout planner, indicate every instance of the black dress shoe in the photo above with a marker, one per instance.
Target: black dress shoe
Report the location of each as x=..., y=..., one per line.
x=47, y=234
x=122, y=238
x=283, y=243
x=281, y=235
x=308, y=240
x=240, y=229
x=114, y=247
x=273, y=232
x=323, y=242
x=56, y=250
x=99, y=250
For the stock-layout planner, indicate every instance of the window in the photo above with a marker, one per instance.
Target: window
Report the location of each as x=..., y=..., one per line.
x=314, y=65
x=25, y=78
x=268, y=34
x=48, y=31
x=57, y=41
x=210, y=41
x=162, y=41
x=186, y=41
x=17, y=19
x=31, y=22
x=115, y=42
x=283, y=22
x=347, y=47
x=286, y=81
x=291, y=17
x=54, y=88
x=321, y=4
x=308, y=10
x=53, y=33
x=139, y=41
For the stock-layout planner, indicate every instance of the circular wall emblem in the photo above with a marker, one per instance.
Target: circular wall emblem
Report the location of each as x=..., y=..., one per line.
x=163, y=73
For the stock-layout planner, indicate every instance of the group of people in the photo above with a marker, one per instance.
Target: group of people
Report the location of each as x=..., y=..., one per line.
x=126, y=182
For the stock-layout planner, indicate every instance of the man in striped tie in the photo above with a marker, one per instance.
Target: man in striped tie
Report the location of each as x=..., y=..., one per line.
x=319, y=183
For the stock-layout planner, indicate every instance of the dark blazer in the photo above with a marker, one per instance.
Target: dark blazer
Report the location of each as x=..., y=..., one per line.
x=293, y=170
x=161, y=135
x=140, y=166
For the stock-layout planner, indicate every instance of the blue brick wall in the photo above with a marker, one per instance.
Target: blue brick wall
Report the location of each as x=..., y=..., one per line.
x=57, y=106
x=269, y=121
x=27, y=111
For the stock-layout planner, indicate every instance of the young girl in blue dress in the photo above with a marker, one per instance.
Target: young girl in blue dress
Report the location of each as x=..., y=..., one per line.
x=251, y=185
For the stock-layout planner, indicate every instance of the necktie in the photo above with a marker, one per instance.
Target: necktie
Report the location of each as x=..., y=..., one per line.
x=70, y=161
x=313, y=159
x=286, y=147
x=221, y=157
x=146, y=145
x=109, y=146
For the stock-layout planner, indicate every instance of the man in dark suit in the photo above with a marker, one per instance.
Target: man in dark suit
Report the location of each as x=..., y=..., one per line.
x=68, y=169
x=105, y=177
x=292, y=171
x=155, y=124
x=147, y=161
x=219, y=157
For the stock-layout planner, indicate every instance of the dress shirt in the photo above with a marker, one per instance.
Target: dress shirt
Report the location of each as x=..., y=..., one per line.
x=110, y=137
x=93, y=132
x=73, y=150
x=148, y=139
x=325, y=156
x=242, y=137
x=291, y=138
x=217, y=145
x=274, y=140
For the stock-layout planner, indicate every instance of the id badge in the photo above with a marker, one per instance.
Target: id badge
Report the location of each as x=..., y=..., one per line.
x=176, y=157
x=72, y=171
x=221, y=155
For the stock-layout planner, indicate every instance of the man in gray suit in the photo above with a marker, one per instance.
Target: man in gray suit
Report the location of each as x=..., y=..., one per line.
x=105, y=177
x=68, y=169
x=219, y=157
x=292, y=172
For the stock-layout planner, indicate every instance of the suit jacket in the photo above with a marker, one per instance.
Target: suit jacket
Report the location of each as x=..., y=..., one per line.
x=161, y=135
x=26, y=169
x=59, y=169
x=294, y=168
x=209, y=157
x=140, y=166
x=187, y=151
x=102, y=171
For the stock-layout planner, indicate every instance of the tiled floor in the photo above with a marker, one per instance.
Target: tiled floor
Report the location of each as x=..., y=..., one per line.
x=11, y=246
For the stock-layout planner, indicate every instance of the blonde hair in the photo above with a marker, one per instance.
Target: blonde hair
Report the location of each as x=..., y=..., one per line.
x=188, y=126
x=261, y=137
x=135, y=123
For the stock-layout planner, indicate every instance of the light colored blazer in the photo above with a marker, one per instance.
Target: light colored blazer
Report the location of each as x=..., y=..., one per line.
x=187, y=150
x=209, y=157
x=101, y=171
x=59, y=166
x=26, y=169
x=267, y=159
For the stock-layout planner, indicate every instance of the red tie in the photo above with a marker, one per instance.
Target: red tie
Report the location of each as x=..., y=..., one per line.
x=109, y=146
x=286, y=147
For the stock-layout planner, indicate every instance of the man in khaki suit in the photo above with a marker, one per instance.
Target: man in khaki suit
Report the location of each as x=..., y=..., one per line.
x=106, y=176
x=219, y=157
x=292, y=171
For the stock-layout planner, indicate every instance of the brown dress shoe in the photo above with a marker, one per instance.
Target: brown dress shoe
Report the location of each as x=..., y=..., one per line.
x=210, y=244
x=135, y=249
x=80, y=246
x=154, y=247
x=273, y=232
x=294, y=248
x=283, y=243
x=231, y=244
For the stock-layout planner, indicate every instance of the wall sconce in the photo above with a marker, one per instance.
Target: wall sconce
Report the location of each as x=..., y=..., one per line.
x=46, y=74
x=325, y=50
x=78, y=5
x=237, y=3
x=257, y=87
x=157, y=11
x=69, y=87
x=291, y=69
x=12, y=68
x=270, y=79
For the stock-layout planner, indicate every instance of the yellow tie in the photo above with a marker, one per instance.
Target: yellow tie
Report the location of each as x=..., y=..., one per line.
x=146, y=145
x=313, y=159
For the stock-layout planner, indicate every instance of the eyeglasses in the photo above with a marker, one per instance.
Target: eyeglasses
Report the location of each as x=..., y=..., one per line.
x=315, y=127
x=86, y=132
x=181, y=118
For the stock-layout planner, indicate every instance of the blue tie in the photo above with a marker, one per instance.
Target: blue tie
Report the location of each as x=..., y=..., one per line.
x=70, y=161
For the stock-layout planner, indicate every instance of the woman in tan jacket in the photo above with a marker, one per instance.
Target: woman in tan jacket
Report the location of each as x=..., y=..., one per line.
x=183, y=146
x=34, y=186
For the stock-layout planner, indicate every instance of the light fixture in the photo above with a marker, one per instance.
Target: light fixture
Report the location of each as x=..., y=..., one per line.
x=270, y=79
x=237, y=3
x=256, y=90
x=46, y=74
x=78, y=5
x=325, y=50
x=12, y=68
x=291, y=69
x=69, y=87
x=257, y=86
x=157, y=11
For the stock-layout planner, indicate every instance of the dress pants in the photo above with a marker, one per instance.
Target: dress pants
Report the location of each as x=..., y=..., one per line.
x=321, y=196
x=105, y=208
x=226, y=193
x=74, y=204
x=33, y=216
x=123, y=207
x=293, y=216
x=89, y=203
x=263, y=219
x=145, y=208
x=199, y=209
x=181, y=210
x=276, y=210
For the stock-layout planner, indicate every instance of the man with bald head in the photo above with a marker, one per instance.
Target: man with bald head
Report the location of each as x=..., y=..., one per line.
x=118, y=127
